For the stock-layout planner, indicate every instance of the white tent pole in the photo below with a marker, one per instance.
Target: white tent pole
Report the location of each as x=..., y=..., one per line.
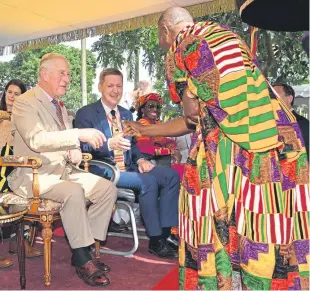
x=84, y=78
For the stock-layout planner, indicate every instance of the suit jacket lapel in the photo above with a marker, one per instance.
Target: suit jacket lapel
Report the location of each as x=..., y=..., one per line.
x=103, y=121
x=46, y=103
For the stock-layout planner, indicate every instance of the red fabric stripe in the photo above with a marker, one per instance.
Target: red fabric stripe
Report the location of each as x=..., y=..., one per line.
x=288, y=230
x=238, y=207
x=245, y=190
x=226, y=48
x=230, y=66
x=252, y=193
x=281, y=219
x=303, y=197
x=194, y=207
x=228, y=57
x=204, y=202
x=272, y=229
x=198, y=30
x=260, y=203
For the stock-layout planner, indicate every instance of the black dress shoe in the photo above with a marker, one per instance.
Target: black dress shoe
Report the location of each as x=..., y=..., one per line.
x=115, y=227
x=161, y=249
x=91, y=275
x=173, y=241
x=100, y=265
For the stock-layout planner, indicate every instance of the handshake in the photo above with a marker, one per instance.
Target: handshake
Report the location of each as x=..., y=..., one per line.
x=96, y=138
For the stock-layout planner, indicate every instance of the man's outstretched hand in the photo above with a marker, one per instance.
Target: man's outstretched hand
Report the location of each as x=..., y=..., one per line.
x=132, y=128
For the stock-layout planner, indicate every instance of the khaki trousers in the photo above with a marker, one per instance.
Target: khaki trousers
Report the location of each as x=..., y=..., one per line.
x=83, y=226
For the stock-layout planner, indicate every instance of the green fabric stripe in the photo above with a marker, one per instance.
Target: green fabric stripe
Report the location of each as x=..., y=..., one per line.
x=235, y=129
x=181, y=277
x=238, y=116
x=228, y=151
x=267, y=201
x=257, y=90
x=263, y=134
x=296, y=227
x=253, y=75
x=233, y=101
x=304, y=274
x=261, y=118
x=259, y=102
x=223, y=263
x=237, y=181
x=223, y=185
x=207, y=283
x=216, y=35
x=280, y=197
x=262, y=227
x=253, y=282
x=233, y=84
x=245, y=145
x=204, y=233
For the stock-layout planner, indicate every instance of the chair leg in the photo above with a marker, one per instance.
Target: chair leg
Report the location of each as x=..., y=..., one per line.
x=47, y=236
x=97, y=249
x=32, y=233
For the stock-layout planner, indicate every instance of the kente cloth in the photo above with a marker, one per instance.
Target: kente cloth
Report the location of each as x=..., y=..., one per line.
x=244, y=200
x=118, y=155
x=156, y=146
x=59, y=113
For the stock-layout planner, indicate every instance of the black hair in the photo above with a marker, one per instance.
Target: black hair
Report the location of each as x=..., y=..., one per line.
x=288, y=90
x=15, y=82
x=140, y=113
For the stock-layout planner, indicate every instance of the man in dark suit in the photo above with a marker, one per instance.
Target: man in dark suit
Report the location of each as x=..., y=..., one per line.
x=157, y=188
x=287, y=94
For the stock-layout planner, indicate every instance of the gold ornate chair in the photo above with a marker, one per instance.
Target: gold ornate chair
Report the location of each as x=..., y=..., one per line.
x=43, y=211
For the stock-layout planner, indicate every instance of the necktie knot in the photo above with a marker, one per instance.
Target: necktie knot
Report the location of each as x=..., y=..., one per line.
x=113, y=113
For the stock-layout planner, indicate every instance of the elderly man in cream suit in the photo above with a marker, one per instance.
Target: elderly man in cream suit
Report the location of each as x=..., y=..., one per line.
x=41, y=128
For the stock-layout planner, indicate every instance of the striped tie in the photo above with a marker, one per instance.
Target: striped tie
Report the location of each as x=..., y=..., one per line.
x=59, y=113
x=118, y=155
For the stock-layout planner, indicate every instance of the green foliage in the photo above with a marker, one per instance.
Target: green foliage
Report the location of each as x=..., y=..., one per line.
x=24, y=66
x=280, y=54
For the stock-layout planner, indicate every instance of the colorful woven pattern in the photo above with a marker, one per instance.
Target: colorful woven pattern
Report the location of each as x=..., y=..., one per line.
x=244, y=202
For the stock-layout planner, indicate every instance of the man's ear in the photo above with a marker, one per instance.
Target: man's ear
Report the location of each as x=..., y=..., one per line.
x=100, y=87
x=165, y=32
x=290, y=99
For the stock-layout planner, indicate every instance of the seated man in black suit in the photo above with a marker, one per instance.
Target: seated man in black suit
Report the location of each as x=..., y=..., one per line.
x=287, y=94
x=157, y=188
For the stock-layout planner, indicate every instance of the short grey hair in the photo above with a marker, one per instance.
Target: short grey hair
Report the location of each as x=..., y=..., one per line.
x=47, y=58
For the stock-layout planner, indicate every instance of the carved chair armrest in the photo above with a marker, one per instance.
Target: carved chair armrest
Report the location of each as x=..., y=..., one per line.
x=86, y=158
x=109, y=171
x=26, y=162
x=21, y=162
x=4, y=115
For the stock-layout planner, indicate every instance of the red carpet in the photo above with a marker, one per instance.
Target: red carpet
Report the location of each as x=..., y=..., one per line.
x=169, y=282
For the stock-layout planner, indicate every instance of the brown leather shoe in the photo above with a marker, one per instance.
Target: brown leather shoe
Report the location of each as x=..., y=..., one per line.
x=91, y=275
x=30, y=252
x=100, y=265
x=5, y=263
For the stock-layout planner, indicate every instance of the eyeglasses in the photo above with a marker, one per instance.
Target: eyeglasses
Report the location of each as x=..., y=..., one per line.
x=153, y=106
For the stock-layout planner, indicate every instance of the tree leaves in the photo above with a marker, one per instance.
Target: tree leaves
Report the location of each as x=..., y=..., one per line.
x=24, y=66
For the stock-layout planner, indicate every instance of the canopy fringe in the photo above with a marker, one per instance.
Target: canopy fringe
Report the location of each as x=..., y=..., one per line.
x=198, y=10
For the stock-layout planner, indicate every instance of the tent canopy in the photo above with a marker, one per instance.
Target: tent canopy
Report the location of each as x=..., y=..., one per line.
x=29, y=24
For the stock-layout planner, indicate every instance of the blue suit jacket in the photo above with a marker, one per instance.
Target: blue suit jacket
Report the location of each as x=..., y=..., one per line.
x=94, y=116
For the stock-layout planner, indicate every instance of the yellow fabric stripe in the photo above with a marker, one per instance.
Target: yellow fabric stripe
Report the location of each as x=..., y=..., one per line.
x=262, y=126
x=233, y=92
x=265, y=144
x=3, y=169
x=234, y=109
